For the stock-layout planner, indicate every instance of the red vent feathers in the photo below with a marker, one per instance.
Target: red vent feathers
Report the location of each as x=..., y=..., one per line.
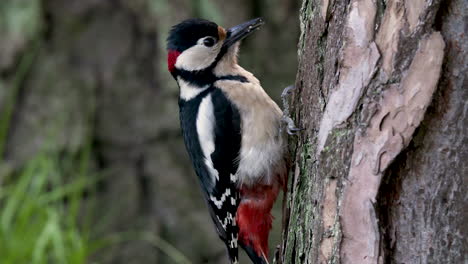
x=254, y=217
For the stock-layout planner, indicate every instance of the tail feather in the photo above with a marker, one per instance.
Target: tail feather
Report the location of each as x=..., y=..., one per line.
x=256, y=259
x=265, y=257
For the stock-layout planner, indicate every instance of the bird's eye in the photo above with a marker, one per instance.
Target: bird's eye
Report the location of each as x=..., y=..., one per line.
x=209, y=42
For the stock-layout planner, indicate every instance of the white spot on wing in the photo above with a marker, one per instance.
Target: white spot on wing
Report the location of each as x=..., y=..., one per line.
x=233, y=241
x=205, y=128
x=229, y=219
x=224, y=196
x=233, y=178
x=189, y=91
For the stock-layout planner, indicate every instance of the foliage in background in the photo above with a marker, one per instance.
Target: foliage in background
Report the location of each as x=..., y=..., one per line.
x=38, y=207
x=39, y=212
x=39, y=215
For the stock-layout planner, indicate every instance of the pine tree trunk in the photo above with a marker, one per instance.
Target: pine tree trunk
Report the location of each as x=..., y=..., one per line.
x=381, y=165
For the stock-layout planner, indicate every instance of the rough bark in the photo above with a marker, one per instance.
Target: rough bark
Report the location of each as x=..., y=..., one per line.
x=379, y=172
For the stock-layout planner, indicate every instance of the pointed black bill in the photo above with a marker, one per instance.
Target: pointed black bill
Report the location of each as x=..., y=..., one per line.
x=241, y=31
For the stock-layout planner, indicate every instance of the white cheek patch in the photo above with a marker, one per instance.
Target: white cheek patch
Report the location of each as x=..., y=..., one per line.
x=205, y=130
x=197, y=57
x=189, y=91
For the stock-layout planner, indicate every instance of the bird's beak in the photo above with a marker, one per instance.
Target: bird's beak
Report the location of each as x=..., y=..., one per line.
x=241, y=31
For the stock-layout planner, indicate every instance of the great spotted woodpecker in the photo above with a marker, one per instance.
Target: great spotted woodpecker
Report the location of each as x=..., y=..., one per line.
x=232, y=131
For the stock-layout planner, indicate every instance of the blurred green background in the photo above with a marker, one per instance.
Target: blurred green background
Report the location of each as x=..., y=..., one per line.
x=92, y=164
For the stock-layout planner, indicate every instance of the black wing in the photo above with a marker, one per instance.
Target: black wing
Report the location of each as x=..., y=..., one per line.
x=224, y=198
x=221, y=191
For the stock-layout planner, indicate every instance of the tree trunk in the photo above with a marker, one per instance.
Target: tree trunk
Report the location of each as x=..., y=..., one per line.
x=381, y=165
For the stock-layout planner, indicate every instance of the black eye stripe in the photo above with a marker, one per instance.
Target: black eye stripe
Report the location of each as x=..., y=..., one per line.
x=209, y=42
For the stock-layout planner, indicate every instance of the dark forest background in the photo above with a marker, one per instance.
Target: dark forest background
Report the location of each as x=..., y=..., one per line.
x=92, y=164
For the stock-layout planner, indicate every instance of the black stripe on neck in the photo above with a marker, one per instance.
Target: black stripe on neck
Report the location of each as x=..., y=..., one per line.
x=202, y=77
x=238, y=78
x=206, y=77
x=198, y=78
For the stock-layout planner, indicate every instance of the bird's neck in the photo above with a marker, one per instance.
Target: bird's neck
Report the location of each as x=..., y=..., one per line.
x=192, y=83
x=227, y=65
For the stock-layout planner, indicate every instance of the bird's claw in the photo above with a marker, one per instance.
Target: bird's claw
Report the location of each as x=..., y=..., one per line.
x=294, y=130
x=291, y=127
x=287, y=90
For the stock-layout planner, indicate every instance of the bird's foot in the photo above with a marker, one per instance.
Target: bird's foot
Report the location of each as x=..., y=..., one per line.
x=291, y=128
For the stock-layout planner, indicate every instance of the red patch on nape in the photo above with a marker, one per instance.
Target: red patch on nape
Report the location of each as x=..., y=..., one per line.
x=171, y=59
x=254, y=216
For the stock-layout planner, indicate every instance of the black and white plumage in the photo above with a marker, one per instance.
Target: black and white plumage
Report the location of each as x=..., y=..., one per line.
x=211, y=130
x=232, y=131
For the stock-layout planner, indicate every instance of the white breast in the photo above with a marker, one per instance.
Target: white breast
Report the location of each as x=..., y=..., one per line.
x=263, y=149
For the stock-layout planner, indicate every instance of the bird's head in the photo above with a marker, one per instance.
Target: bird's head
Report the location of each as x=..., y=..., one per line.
x=196, y=45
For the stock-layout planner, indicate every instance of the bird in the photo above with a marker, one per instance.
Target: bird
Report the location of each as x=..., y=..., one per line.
x=233, y=131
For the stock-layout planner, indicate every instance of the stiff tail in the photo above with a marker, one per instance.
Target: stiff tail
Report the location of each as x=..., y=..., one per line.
x=256, y=259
